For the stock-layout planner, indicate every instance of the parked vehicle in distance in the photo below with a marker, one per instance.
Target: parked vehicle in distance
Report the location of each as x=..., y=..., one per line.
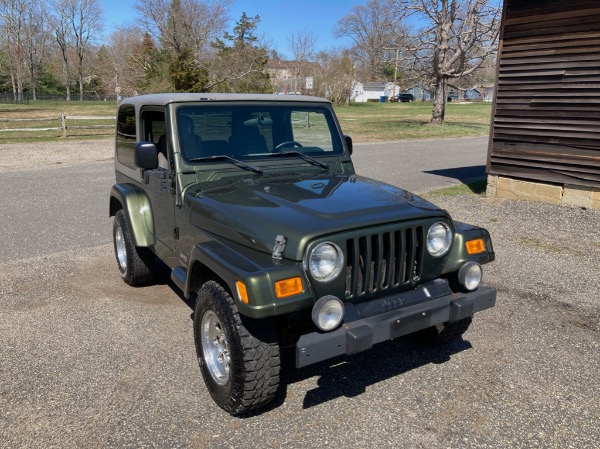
x=452, y=97
x=253, y=204
x=402, y=98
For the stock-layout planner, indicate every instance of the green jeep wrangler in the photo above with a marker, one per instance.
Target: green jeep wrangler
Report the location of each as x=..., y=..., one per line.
x=253, y=203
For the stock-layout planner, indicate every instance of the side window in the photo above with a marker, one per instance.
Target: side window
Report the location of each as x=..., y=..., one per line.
x=126, y=135
x=312, y=131
x=155, y=131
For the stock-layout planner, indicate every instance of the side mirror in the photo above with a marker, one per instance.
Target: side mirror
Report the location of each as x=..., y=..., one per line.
x=146, y=155
x=348, y=141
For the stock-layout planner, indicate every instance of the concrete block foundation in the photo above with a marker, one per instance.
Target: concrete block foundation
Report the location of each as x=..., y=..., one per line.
x=518, y=189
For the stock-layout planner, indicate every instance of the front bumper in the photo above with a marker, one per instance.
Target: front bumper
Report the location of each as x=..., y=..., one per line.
x=379, y=320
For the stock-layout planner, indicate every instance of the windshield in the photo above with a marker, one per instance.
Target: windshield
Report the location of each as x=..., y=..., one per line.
x=255, y=131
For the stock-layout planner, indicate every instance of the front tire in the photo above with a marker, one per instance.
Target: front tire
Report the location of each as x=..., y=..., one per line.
x=136, y=265
x=239, y=357
x=442, y=333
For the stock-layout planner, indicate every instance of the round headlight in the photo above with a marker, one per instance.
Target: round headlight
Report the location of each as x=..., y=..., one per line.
x=327, y=313
x=439, y=239
x=326, y=261
x=470, y=275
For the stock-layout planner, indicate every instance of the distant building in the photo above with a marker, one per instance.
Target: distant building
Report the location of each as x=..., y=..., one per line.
x=420, y=93
x=371, y=91
x=290, y=77
x=488, y=92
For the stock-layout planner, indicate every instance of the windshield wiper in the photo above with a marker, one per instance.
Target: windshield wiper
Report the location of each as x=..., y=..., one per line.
x=303, y=156
x=230, y=159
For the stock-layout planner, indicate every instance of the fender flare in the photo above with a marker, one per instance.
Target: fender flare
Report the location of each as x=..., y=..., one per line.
x=458, y=254
x=138, y=212
x=226, y=263
x=231, y=266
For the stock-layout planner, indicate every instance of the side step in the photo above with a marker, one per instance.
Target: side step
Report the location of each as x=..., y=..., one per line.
x=179, y=276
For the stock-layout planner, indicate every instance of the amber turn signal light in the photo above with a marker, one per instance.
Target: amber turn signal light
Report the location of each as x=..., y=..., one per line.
x=475, y=246
x=242, y=292
x=288, y=287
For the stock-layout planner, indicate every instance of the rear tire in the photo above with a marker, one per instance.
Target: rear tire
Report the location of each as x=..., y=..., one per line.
x=442, y=333
x=136, y=265
x=239, y=357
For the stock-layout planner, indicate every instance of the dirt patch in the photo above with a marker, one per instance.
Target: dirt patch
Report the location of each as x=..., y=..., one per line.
x=41, y=155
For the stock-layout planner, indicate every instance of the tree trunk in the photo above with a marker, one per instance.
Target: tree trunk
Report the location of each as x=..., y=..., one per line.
x=33, y=82
x=20, y=98
x=439, y=101
x=80, y=86
x=14, y=87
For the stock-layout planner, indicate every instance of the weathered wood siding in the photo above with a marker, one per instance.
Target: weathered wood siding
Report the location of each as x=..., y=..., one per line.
x=547, y=106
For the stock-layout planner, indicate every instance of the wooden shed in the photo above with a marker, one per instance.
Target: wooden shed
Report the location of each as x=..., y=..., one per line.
x=546, y=115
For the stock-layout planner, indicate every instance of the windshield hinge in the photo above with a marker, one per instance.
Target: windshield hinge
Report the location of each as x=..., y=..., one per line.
x=279, y=247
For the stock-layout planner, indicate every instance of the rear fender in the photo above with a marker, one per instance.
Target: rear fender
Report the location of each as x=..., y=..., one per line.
x=138, y=212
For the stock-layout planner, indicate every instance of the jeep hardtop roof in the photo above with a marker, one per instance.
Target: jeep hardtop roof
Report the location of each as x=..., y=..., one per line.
x=164, y=99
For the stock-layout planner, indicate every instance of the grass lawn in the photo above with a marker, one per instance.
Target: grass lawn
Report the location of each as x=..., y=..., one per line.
x=49, y=114
x=371, y=122
x=365, y=122
x=475, y=188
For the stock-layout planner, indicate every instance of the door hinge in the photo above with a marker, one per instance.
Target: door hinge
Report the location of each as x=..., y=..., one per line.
x=176, y=233
x=172, y=182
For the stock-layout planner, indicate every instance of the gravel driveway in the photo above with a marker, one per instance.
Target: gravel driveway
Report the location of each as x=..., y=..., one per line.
x=86, y=361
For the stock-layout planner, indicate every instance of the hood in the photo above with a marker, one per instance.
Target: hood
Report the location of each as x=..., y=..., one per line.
x=254, y=212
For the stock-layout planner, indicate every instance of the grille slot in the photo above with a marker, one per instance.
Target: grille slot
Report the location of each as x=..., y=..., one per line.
x=383, y=260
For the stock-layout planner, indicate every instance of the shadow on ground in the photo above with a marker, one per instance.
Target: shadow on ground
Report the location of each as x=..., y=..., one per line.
x=344, y=376
x=466, y=175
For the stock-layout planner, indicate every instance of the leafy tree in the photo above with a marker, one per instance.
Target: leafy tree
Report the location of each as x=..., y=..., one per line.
x=47, y=82
x=240, y=64
x=152, y=67
x=185, y=73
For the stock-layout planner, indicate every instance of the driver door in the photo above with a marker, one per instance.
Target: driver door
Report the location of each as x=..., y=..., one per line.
x=160, y=182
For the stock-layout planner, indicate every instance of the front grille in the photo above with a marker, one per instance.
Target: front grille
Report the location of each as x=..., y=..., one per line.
x=382, y=261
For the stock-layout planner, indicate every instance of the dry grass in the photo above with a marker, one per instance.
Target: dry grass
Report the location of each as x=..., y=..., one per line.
x=365, y=122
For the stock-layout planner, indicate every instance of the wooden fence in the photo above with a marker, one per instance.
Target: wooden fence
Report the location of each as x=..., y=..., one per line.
x=63, y=119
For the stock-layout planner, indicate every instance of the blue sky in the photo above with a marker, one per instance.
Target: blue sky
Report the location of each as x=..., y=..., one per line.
x=279, y=18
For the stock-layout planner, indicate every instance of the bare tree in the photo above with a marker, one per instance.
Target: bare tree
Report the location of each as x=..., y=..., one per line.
x=13, y=16
x=36, y=42
x=337, y=78
x=377, y=32
x=184, y=24
x=76, y=24
x=128, y=61
x=62, y=35
x=302, y=45
x=459, y=37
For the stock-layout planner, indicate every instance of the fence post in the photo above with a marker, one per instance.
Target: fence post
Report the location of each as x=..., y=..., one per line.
x=64, y=123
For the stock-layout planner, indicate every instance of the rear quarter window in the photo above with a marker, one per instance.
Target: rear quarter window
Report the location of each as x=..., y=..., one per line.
x=126, y=135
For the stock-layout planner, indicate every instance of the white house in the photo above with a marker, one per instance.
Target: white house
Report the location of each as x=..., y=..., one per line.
x=365, y=91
